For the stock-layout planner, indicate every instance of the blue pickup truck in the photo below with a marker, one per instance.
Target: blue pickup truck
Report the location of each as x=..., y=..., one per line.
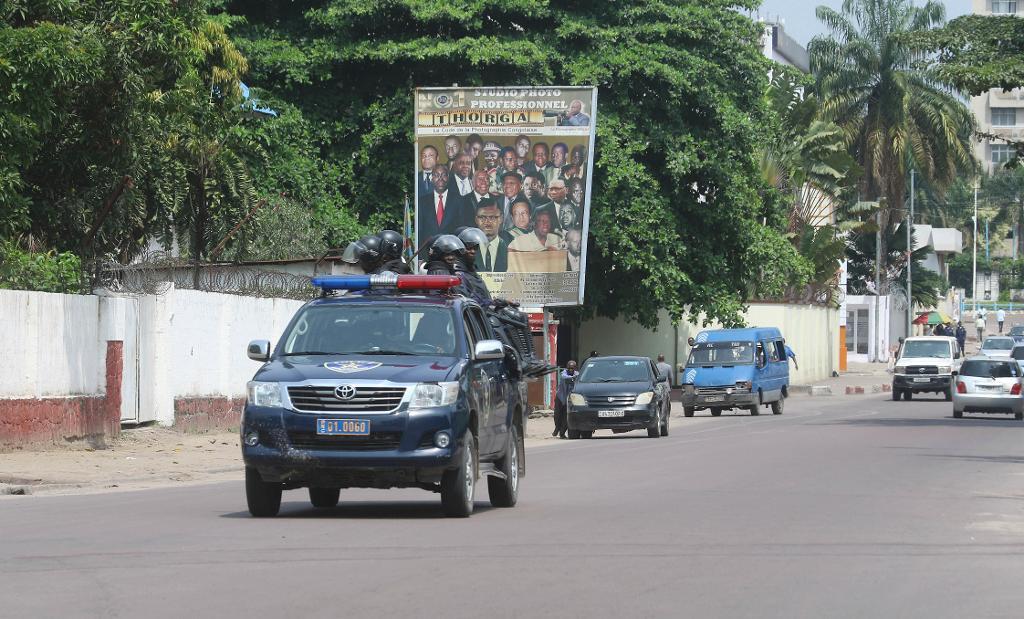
x=385, y=382
x=736, y=368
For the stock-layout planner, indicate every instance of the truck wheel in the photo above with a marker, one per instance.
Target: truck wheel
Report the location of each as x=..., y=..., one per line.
x=896, y=393
x=586, y=434
x=324, y=497
x=505, y=492
x=573, y=434
x=716, y=412
x=908, y=395
x=778, y=405
x=688, y=411
x=754, y=410
x=457, y=484
x=263, y=497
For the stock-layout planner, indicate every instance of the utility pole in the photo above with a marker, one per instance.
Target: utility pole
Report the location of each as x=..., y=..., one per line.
x=878, y=286
x=910, y=253
x=974, y=275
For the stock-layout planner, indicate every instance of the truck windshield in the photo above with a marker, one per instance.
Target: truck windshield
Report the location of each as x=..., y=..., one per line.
x=721, y=353
x=383, y=330
x=938, y=349
x=614, y=371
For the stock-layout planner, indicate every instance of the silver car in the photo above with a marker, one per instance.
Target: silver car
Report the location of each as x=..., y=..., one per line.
x=988, y=385
x=997, y=346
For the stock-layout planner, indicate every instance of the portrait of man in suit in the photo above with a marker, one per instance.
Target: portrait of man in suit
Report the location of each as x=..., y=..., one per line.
x=540, y=161
x=522, y=149
x=542, y=238
x=564, y=213
x=452, y=148
x=511, y=192
x=559, y=154
x=493, y=256
x=428, y=159
x=577, y=191
x=481, y=188
x=441, y=210
x=573, y=245
x=535, y=189
x=462, y=174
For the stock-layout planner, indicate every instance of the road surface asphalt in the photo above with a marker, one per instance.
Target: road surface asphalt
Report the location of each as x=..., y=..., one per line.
x=842, y=507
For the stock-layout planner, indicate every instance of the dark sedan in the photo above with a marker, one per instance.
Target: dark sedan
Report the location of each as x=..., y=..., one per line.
x=619, y=394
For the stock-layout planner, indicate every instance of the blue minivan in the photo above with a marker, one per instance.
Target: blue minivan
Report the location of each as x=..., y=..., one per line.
x=736, y=368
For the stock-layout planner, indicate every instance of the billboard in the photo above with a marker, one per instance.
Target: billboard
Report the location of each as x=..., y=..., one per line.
x=515, y=162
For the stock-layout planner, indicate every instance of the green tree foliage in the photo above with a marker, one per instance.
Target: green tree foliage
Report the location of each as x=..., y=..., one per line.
x=894, y=114
x=45, y=271
x=926, y=285
x=976, y=53
x=677, y=208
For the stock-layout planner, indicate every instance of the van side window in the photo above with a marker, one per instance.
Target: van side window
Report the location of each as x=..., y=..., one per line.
x=760, y=358
x=773, y=349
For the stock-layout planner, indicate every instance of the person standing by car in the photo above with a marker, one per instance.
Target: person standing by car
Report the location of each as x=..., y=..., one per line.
x=566, y=381
x=1000, y=319
x=961, y=336
x=665, y=369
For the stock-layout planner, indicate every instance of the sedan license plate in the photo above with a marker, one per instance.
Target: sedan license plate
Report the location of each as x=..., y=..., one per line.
x=922, y=379
x=343, y=427
x=611, y=413
x=714, y=398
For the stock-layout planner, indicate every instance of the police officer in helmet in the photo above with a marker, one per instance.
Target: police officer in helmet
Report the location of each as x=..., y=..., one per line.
x=444, y=252
x=472, y=238
x=391, y=244
x=369, y=253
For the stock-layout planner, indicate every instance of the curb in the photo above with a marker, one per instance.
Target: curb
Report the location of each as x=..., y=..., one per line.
x=859, y=390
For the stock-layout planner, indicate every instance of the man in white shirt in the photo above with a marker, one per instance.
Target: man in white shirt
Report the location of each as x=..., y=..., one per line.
x=463, y=174
x=1000, y=318
x=541, y=238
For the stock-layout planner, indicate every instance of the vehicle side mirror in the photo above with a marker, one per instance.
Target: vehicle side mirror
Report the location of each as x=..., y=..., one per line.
x=955, y=373
x=901, y=340
x=259, y=350
x=488, y=349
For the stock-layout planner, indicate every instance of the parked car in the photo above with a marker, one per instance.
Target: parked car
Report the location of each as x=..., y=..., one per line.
x=619, y=394
x=997, y=346
x=925, y=365
x=1017, y=333
x=736, y=368
x=989, y=385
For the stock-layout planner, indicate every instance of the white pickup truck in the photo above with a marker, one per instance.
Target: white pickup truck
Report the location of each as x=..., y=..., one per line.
x=925, y=364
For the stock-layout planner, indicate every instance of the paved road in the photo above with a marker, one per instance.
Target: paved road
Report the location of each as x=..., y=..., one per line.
x=843, y=507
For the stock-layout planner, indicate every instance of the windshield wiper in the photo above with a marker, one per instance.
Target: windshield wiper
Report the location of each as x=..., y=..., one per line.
x=382, y=352
x=308, y=353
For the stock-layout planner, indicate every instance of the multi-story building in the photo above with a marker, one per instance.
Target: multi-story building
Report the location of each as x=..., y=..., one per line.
x=999, y=113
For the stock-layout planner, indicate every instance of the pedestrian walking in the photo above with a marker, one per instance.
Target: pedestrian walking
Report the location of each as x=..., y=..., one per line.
x=961, y=336
x=566, y=381
x=665, y=369
x=1000, y=319
x=979, y=324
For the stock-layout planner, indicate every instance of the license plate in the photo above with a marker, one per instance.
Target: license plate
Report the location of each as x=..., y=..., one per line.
x=611, y=413
x=714, y=398
x=923, y=379
x=343, y=427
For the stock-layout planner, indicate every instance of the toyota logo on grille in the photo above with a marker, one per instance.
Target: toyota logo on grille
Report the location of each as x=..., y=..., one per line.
x=922, y=370
x=611, y=399
x=345, y=392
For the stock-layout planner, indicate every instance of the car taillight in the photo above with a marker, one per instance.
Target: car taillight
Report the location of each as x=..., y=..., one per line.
x=1015, y=390
x=962, y=388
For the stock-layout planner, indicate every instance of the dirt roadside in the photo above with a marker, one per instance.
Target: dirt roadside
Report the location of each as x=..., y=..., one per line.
x=150, y=457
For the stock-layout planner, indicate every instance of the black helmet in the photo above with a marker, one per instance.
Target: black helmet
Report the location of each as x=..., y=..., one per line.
x=473, y=237
x=369, y=252
x=447, y=244
x=391, y=244
x=351, y=253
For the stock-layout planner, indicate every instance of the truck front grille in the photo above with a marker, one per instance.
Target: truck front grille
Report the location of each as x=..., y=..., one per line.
x=322, y=398
x=375, y=441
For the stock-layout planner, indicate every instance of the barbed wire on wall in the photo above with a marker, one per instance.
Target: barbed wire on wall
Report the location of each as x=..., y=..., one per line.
x=157, y=272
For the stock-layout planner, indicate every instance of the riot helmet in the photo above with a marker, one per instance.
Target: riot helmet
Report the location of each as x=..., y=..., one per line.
x=369, y=252
x=473, y=238
x=351, y=253
x=391, y=244
x=447, y=247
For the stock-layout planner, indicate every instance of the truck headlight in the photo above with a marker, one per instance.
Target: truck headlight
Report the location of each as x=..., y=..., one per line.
x=263, y=394
x=900, y=369
x=577, y=400
x=430, y=395
x=644, y=398
x=945, y=369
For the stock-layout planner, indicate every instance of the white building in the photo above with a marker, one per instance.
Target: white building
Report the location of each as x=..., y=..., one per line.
x=998, y=112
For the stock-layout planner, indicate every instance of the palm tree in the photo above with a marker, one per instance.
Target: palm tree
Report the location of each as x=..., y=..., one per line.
x=894, y=115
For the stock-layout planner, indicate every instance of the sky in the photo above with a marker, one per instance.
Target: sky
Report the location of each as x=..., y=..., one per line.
x=802, y=25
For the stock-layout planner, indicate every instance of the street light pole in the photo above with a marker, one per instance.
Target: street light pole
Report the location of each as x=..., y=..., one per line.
x=910, y=253
x=974, y=274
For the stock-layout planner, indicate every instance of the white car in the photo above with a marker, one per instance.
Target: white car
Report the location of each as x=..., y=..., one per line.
x=989, y=385
x=925, y=364
x=997, y=346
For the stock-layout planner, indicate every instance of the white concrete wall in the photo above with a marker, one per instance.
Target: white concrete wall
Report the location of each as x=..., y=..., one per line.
x=180, y=344
x=811, y=331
